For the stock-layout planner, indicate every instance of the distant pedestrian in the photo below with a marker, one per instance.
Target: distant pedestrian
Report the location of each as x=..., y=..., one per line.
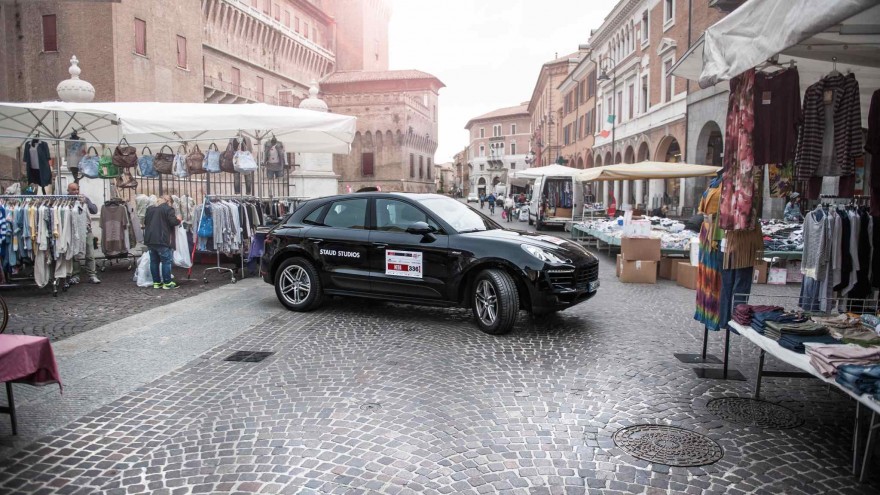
x=482, y=200
x=491, y=200
x=159, y=223
x=508, y=207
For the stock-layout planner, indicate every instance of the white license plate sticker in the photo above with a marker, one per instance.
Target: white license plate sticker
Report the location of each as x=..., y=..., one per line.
x=403, y=263
x=594, y=285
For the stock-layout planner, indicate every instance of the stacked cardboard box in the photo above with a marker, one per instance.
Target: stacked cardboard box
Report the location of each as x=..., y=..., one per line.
x=686, y=275
x=638, y=260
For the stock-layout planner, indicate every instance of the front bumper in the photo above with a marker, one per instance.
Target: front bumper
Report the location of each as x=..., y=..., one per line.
x=555, y=289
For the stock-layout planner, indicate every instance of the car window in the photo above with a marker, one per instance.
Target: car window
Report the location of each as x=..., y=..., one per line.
x=347, y=214
x=312, y=218
x=461, y=217
x=396, y=216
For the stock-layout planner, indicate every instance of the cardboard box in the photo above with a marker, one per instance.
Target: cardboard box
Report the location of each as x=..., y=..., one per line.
x=563, y=212
x=669, y=268
x=686, y=276
x=759, y=276
x=640, y=249
x=794, y=274
x=638, y=272
x=617, y=265
x=777, y=276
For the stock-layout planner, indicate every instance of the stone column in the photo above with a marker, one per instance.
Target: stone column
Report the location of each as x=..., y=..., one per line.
x=314, y=176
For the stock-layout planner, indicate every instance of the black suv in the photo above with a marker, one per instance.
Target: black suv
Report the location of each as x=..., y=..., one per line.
x=423, y=249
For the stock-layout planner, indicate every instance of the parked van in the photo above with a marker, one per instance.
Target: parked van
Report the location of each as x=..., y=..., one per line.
x=556, y=200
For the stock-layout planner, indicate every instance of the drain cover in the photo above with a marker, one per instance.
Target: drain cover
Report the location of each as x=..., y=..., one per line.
x=753, y=412
x=371, y=406
x=248, y=356
x=668, y=445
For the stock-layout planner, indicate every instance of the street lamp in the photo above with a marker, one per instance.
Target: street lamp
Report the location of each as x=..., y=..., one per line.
x=603, y=76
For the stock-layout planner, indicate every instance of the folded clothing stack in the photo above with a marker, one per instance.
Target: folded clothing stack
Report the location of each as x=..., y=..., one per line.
x=827, y=358
x=860, y=379
x=742, y=313
x=796, y=342
x=776, y=329
x=838, y=321
x=760, y=318
x=856, y=335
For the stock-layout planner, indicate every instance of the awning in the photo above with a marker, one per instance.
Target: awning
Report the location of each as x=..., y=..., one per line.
x=303, y=131
x=548, y=171
x=803, y=30
x=646, y=170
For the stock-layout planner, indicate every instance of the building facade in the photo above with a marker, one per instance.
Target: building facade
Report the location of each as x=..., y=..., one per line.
x=641, y=107
x=499, y=145
x=396, y=129
x=578, y=92
x=463, y=171
x=545, y=108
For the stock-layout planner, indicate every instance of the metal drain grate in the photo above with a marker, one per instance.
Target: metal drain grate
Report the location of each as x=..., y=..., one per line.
x=754, y=412
x=371, y=406
x=668, y=445
x=248, y=356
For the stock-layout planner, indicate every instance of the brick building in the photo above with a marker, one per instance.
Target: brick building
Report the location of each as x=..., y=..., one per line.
x=545, y=108
x=578, y=91
x=462, y=172
x=397, y=128
x=641, y=108
x=499, y=144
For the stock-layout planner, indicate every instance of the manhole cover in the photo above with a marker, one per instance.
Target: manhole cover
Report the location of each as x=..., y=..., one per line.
x=754, y=412
x=248, y=356
x=371, y=406
x=668, y=445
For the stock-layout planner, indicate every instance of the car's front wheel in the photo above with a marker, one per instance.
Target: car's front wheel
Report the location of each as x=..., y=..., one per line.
x=298, y=285
x=495, y=301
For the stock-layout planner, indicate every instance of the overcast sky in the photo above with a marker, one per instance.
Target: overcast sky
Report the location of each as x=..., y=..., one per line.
x=487, y=52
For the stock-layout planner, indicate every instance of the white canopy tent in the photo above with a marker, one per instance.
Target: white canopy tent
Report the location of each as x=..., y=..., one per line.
x=817, y=35
x=646, y=171
x=554, y=170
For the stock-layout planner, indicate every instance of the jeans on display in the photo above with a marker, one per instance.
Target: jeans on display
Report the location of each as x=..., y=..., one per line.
x=737, y=281
x=160, y=255
x=860, y=379
x=810, y=289
x=248, y=183
x=274, y=174
x=88, y=258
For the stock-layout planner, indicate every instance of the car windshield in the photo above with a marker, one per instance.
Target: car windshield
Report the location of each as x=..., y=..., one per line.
x=462, y=218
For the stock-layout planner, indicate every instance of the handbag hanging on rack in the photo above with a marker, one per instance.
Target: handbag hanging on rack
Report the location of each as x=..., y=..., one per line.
x=227, y=160
x=125, y=156
x=163, y=163
x=212, y=160
x=179, y=169
x=145, y=164
x=194, y=161
x=106, y=169
x=89, y=165
x=244, y=162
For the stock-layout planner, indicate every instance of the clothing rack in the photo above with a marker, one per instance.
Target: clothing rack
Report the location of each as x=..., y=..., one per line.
x=110, y=260
x=218, y=268
x=55, y=281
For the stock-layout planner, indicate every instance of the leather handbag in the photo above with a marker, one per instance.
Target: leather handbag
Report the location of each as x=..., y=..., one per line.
x=194, y=161
x=89, y=165
x=227, y=160
x=212, y=160
x=179, y=166
x=163, y=163
x=145, y=164
x=106, y=168
x=125, y=156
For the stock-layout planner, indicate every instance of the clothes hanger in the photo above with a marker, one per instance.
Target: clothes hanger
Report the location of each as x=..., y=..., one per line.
x=834, y=71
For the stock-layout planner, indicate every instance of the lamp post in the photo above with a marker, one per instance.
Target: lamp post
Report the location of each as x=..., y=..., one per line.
x=603, y=76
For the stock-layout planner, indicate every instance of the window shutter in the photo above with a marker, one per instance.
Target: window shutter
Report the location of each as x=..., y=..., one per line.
x=181, y=52
x=50, y=34
x=367, y=163
x=140, y=37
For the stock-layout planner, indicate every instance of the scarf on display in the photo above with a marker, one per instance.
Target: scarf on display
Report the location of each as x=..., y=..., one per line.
x=737, y=210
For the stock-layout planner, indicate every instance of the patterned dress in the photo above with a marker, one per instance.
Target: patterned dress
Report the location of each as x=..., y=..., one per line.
x=737, y=209
x=709, y=269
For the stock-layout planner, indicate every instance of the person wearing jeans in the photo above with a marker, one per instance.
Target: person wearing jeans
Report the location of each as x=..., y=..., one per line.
x=159, y=224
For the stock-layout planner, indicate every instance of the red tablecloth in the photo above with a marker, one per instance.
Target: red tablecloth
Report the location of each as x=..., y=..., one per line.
x=27, y=359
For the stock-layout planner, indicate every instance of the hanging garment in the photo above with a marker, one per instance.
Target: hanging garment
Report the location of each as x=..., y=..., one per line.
x=114, y=229
x=738, y=188
x=74, y=151
x=36, y=157
x=840, y=95
x=274, y=157
x=709, y=268
x=777, y=112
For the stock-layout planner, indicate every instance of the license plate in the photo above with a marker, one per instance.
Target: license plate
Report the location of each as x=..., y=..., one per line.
x=594, y=285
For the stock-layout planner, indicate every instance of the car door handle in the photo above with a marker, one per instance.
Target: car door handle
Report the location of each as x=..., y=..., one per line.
x=315, y=240
x=379, y=245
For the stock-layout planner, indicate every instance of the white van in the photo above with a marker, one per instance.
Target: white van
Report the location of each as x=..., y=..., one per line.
x=556, y=200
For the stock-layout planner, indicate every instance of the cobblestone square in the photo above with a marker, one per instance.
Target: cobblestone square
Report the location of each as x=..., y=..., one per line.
x=367, y=397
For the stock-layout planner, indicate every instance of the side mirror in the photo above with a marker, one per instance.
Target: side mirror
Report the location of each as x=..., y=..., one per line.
x=420, y=228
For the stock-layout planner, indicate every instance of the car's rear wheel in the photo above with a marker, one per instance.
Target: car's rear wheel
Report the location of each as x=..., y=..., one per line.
x=298, y=285
x=495, y=302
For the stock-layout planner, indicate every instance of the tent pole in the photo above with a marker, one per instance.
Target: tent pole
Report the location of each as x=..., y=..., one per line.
x=57, y=155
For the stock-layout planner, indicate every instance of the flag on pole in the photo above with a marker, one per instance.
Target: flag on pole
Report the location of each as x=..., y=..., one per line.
x=611, y=118
x=604, y=133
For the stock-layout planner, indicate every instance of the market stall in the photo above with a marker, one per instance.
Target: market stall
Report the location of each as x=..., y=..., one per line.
x=804, y=95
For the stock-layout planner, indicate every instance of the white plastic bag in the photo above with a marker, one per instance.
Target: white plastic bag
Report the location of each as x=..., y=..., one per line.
x=142, y=275
x=181, y=256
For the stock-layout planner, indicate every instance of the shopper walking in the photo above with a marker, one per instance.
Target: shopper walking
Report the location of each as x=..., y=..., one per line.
x=491, y=200
x=159, y=224
x=88, y=258
x=482, y=200
x=508, y=207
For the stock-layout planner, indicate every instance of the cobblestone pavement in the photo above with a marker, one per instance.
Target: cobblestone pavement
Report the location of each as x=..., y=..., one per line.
x=361, y=397
x=34, y=311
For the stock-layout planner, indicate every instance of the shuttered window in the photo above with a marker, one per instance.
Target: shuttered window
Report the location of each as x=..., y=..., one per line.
x=140, y=37
x=181, y=52
x=50, y=34
x=366, y=163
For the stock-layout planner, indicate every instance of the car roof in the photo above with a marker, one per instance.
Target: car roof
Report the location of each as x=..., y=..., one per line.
x=378, y=194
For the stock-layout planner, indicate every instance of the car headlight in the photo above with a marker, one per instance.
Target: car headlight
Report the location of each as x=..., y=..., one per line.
x=542, y=254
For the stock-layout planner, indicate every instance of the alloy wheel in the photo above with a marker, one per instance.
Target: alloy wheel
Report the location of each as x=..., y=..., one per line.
x=487, y=302
x=295, y=284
